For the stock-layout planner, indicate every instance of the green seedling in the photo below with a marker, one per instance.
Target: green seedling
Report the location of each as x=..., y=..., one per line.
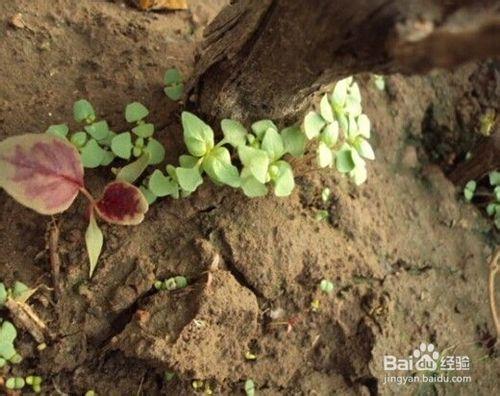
x=469, y=190
x=35, y=382
x=343, y=131
x=379, y=82
x=322, y=215
x=326, y=286
x=91, y=392
x=197, y=384
x=174, y=86
x=19, y=292
x=249, y=387
x=493, y=208
x=326, y=195
x=315, y=304
x=8, y=335
x=170, y=284
x=15, y=383
x=168, y=376
x=250, y=356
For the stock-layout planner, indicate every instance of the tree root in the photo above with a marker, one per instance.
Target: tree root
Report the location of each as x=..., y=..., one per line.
x=494, y=268
x=55, y=260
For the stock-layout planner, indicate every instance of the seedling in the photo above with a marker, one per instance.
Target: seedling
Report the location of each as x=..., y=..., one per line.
x=173, y=84
x=170, y=284
x=15, y=383
x=326, y=286
x=249, y=387
x=487, y=121
x=342, y=131
x=168, y=376
x=326, y=195
x=45, y=173
x=469, y=190
x=322, y=215
x=493, y=205
x=8, y=335
x=379, y=82
x=250, y=356
x=35, y=382
x=315, y=304
x=91, y=392
x=19, y=292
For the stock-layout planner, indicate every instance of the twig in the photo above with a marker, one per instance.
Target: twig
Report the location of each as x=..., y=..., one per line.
x=24, y=316
x=55, y=260
x=494, y=267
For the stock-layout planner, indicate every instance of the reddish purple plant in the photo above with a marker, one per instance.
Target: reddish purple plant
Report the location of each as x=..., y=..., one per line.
x=45, y=173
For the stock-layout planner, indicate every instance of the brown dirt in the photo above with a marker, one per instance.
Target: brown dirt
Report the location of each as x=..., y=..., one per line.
x=407, y=256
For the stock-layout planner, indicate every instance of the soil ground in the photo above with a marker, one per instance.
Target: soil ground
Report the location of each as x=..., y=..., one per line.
x=409, y=259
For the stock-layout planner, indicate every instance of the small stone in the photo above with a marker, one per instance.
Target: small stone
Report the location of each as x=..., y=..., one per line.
x=17, y=21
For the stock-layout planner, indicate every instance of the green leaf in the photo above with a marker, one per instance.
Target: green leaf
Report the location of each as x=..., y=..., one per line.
x=21, y=292
x=174, y=92
x=144, y=130
x=359, y=174
x=172, y=76
x=131, y=172
x=352, y=130
x=294, y=140
x=161, y=185
x=3, y=294
x=234, y=132
x=339, y=94
x=83, y=111
x=260, y=127
x=343, y=122
x=188, y=161
x=284, y=182
x=256, y=160
x=272, y=143
x=198, y=136
x=354, y=92
x=107, y=158
x=148, y=194
x=156, y=151
x=325, y=155
x=189, y=178
x=496, y=191
x=352, y=107
x=122, y=145
x=364, y=148
x=313, y=124
x=364, y=126
x=326, y=109
x=94, y=241
x=379, y=82
x=344, y=161
x=8, y=334
x=251, y=186
x=98, y=130
x=108, y=139
x=491, y=209
x=79, y=139
x=92, y=154
x=469, y=190
x=58, y=130
x=330, y=134
x=494, y=178
x=217, y=165
x=135, y=112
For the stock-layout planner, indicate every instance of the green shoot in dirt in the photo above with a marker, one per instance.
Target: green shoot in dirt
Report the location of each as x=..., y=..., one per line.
x=249, y=387
x=174, y=87
x=35, y=382
x=343, y=131
x=8, y=335
x=171, y=284
x=493, y=196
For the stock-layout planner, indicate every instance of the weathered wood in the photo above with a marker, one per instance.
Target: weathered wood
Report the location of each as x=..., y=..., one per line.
x=263, y=58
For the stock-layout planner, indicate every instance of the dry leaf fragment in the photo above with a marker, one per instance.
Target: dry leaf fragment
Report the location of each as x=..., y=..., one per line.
x=162, y=4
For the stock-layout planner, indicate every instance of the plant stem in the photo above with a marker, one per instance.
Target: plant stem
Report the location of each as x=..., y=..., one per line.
x=88, y=195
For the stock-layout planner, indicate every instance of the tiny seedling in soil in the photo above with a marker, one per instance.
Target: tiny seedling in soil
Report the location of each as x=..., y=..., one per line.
x=170, y=284
x=15, y=383
x=493, y=203
x=326, y=286
x=8, y=335
x=174, y=86
x=249, y=387
x=35, y=382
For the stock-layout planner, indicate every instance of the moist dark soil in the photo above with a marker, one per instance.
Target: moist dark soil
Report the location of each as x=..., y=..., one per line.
x=407, y=256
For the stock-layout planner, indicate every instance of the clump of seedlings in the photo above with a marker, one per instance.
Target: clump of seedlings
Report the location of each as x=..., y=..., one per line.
x=171, y=284
x=35, y=382
x=15, y=383
x=326, y=287
x=489, y=197
x=45, y=172
x=249, y=387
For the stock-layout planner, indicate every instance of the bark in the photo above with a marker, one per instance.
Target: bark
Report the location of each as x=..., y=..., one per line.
x=264, y=58
x=484, y=158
